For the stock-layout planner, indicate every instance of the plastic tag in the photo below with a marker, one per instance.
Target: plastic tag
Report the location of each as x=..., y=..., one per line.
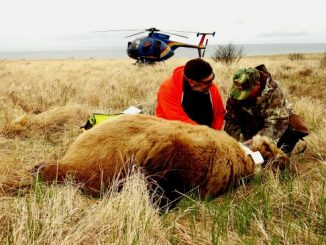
x=256, y=156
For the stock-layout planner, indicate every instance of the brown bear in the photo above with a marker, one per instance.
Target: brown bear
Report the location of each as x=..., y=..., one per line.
x=176, y=155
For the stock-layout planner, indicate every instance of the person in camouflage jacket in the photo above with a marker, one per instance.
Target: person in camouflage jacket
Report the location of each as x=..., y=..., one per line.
x=256, y=105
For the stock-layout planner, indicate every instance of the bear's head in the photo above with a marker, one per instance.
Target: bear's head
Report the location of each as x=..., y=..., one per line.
x=274, y=157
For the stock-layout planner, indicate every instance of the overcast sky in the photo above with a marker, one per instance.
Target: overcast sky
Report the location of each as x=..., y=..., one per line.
x=61, y=24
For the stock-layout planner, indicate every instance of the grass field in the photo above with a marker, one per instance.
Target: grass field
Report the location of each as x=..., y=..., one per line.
x=44, y=102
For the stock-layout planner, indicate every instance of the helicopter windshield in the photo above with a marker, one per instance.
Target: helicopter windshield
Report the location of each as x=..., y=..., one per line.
x=133, y=48
x=135, y=44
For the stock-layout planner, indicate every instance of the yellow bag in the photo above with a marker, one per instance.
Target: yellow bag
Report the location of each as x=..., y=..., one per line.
x=97, y=118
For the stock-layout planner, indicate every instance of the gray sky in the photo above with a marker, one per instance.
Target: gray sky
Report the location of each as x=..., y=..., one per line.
x=61, y=24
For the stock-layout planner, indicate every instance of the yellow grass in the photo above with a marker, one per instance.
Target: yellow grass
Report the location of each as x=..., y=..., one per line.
x=44, y=102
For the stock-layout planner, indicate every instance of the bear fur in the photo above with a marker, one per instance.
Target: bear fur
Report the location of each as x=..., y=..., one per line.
x=176, y=155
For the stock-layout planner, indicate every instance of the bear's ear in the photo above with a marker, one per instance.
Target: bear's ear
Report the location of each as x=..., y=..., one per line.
x=274, y=157
x=257, y=142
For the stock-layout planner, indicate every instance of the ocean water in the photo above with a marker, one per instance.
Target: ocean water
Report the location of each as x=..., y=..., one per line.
x=120, y=52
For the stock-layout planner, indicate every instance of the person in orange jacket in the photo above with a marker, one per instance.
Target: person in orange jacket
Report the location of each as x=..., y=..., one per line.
x=190, y=95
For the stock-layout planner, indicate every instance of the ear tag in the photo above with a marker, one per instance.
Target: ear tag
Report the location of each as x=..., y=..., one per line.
x=256, y=156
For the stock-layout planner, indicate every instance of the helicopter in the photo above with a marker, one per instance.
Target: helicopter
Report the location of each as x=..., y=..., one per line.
x=157, y=46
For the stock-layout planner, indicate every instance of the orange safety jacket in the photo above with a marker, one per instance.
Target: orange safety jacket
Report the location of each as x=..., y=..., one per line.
x=170, y=96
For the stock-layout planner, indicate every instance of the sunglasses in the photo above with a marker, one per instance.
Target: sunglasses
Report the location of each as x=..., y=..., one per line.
x=207, y=81
x=202, y=82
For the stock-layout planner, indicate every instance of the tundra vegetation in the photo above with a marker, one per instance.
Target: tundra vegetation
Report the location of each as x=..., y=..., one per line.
x=44, y=102
x=296, y=56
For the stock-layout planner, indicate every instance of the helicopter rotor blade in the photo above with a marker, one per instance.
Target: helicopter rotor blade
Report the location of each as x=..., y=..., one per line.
x=151, y=30
x=117, y=30
x=183, y=31
x=135, y=34
x=175, y=34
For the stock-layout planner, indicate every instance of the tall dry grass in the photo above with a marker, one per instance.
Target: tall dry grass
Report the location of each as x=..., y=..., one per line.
x=44, y=102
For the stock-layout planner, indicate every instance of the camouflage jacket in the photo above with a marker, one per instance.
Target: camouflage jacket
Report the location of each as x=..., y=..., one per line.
x=267, y=115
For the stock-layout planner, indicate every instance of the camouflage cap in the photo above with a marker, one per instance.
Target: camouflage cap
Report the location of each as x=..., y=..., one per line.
x=243, y=82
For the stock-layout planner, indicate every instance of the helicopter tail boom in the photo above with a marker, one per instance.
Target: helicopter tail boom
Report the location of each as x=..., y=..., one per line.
x=201, y=45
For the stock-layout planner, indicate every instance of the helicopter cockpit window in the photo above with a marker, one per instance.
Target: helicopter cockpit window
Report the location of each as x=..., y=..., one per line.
x=132, y=50
x=147, y=45
x=134, y=45
x=158, y=43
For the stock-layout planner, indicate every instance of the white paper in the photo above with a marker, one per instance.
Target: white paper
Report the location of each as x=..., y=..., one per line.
x=131, y=110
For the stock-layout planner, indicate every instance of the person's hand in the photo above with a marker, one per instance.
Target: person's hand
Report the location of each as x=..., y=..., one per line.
x=248, y=142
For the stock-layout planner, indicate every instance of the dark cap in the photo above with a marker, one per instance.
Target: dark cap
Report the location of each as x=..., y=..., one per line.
x=197, y=69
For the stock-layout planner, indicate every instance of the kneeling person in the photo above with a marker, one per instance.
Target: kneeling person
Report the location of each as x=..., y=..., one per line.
x=258, y=105
x=190, y=95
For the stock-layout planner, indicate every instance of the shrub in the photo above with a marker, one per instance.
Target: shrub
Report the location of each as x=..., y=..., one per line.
x=296, y=56
x=228, y=54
